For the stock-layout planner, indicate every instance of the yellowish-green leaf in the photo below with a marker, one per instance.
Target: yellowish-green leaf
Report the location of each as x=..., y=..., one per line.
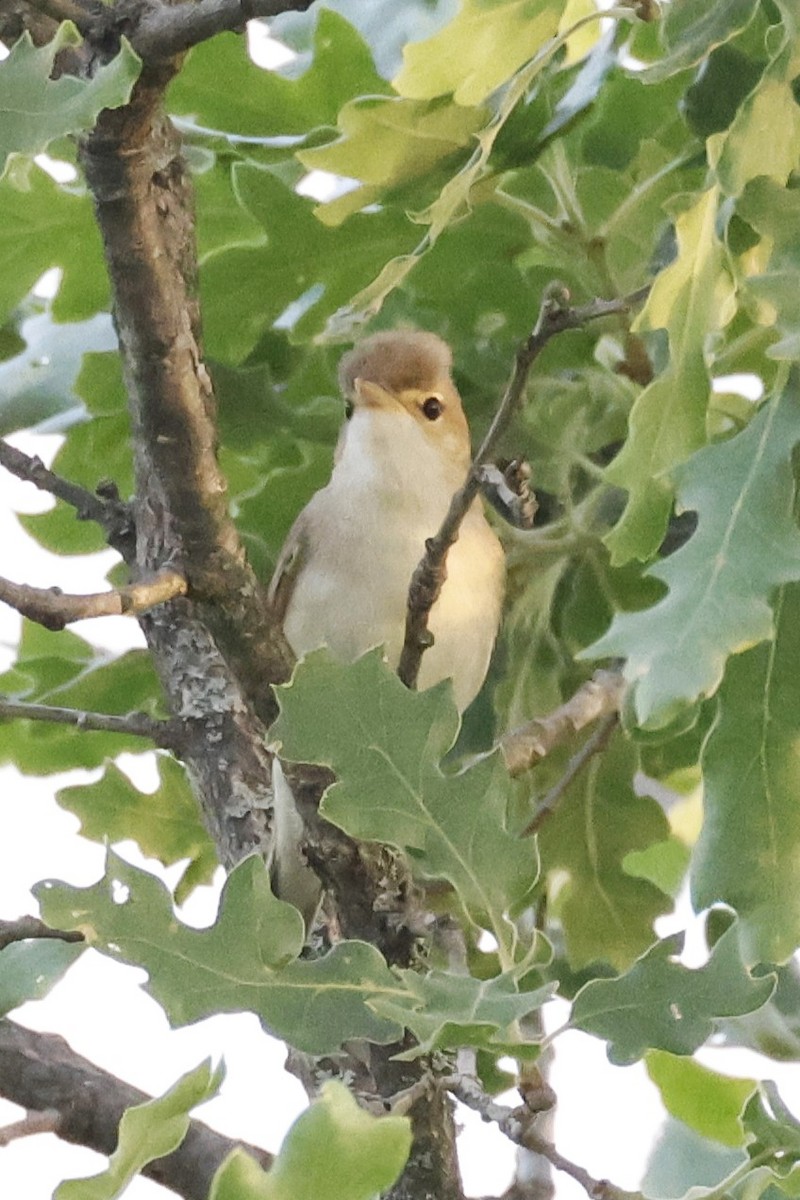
x=708, y=1102
x=334, y=1151
x=146, y=1132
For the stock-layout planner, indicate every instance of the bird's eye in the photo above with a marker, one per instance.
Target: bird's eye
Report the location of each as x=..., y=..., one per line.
x=348, y=409
x=432, y=408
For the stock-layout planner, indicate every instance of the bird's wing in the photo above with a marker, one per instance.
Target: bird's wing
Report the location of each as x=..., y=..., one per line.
x=291, y=561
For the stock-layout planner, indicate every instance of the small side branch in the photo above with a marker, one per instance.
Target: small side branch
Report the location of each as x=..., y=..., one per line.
x=104, y=507
x=25, y=928
x=555, y=317
x=519, y=1126
x=592, y=746
x=601, y=696
x=54, y=609
x=32, y=1122
x=168, y=735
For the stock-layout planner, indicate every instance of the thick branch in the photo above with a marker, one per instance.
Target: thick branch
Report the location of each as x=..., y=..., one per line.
x=600, y=696
x=169, y=735
x=40, y=1071
x=144, y=205
x=165, y=30
x=555, y=317
x=105, y=508
x=54, y=609
x=31, y=927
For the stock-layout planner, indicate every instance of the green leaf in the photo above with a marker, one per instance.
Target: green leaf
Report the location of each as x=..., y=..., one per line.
x=29, y=969
x=773, y=1131
x=35, y=109
x=706, y=1101
x=689, y=31
x=45, y=226
x=607, y=914
x=749, y=845
x=165, y=823
x=721, y=581
x=334, y=1151
x=660, y=1004
x=479, y=50
x=63, y=670
x=94, y=449
x=239, y=964
x=689, y=299
x=774, y=212
x=262, y=104
x=146, y=1132
x=38, y=384
x=447, y=1011
x=325, y=269
x=385, y=744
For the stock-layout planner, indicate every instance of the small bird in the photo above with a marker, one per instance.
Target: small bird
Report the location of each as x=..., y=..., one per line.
x=342, y=577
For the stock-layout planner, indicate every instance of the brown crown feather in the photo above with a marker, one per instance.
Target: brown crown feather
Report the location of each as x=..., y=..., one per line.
x=397, y=361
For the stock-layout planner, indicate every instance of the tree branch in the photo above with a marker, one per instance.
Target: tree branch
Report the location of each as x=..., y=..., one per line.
x=592, y=746
x=168, y=735
x=555, y=317
x=600, y=696
x=519, y=1126
x=40, y=1071
x=54, y=609
x=105, y=507
x=165, y=30
x=31, y=1123
x=31, y=927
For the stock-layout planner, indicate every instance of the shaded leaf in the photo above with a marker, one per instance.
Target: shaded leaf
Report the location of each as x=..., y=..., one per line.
x=243, y=963
x=689, y=31
x=334, y=1151
x=667, y=423
x=749, y=845
x=607, y=914
x=29, y=969
x=385, y=744
x=662, y=1005
x=772, y=1130
x=146, y=1132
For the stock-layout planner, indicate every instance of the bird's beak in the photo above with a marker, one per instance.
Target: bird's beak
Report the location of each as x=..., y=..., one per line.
x=367, y=394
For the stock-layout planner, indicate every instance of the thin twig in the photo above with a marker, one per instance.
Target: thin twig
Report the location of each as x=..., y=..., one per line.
x=600, y=696
x=28, y=927
x=107, y=510
x=33, y=1122
x=54, y=609
x=169, y=735
x=518, y=1124
x=555, y=316
x=593, y=745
